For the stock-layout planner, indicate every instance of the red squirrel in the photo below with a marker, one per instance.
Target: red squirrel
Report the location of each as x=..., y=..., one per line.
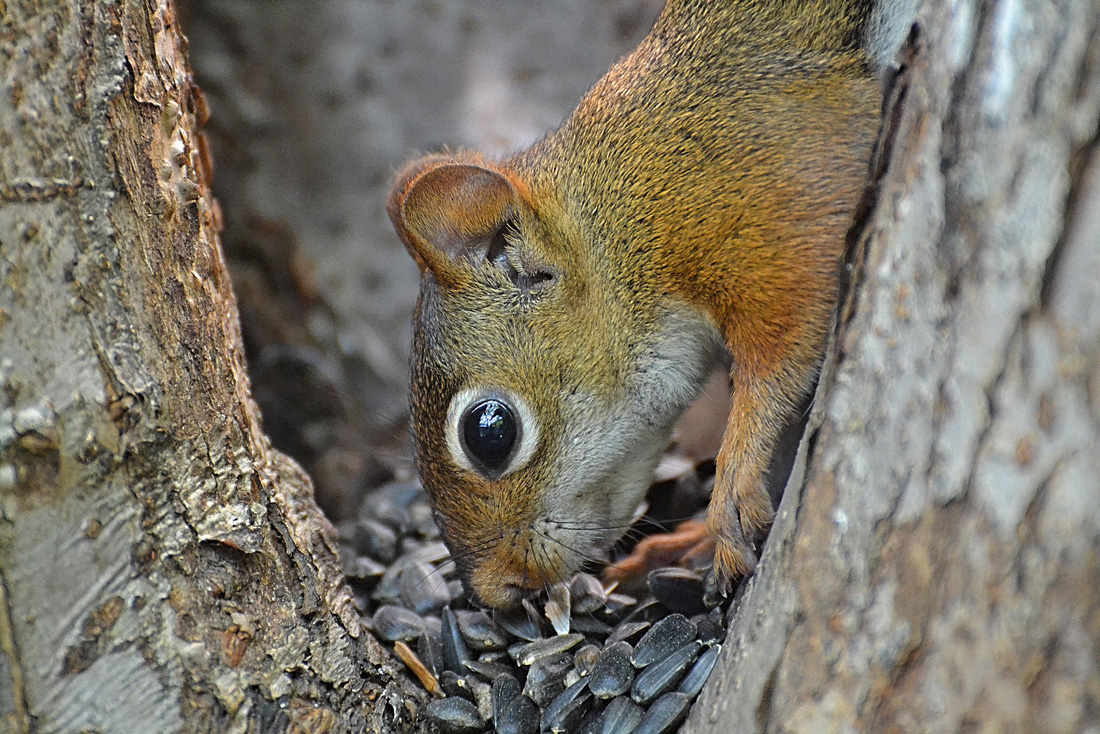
x=575, y=295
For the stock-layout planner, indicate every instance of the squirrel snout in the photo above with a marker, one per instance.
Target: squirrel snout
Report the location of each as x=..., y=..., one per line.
x=499, y=591
x=510, y=572
x=520, y=561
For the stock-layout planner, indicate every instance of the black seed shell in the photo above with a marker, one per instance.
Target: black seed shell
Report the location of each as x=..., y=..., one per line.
x=664, y=674
x=613, y=674
x=700, y=672
x=454, y=715
x=394, y=623
x=662, y=639
x=665, y=714
x=678, y=589
x=568, y=708
x=455, y=652
x=621, y=716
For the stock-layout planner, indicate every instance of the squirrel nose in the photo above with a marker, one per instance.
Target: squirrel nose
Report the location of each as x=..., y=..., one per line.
x=504, y=588
x=501, y=595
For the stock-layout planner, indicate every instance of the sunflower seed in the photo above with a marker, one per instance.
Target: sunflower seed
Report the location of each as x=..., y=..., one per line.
x=482, y=694
x=590, y=724
x=568, y=708
x=454, y=685
x=648, y=610
x=697, y=676
x=665, y=713
x=621, y=716
x=558, y=608
x=455, y=652
x=585, y=658
x=613, y=673
x=429, y=649
x=454, y=715
x=505, y=690
x=588, y=594
x=433, y=552
x=662, y=639
x=488, y=670
x=520, y=717
x=664, y=674
x=495, y=656
x=374, y=539
x=480, y=632
x=433, y=625
x=524, y=623
x=528, y=653
x=393, y=623
x=589, y=626
x=363, y=568
x=390, y=504
x=422, y=589
x=387, y=591
x=712, y=626
x=619, y=604
x=546, y=677
x=678, y=589
x=627, y=631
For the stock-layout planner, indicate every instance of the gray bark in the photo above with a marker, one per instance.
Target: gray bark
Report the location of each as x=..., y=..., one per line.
x=162, y=568
x=938, y=570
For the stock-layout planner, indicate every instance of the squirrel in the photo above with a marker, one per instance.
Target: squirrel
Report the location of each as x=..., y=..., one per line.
x=574, y=296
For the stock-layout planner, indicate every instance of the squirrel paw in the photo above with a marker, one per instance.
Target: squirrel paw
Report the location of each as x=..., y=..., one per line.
x=689, y=545
x=734, y=558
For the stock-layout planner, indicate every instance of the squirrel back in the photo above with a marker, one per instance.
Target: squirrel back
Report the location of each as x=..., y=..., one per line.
x=575, y=296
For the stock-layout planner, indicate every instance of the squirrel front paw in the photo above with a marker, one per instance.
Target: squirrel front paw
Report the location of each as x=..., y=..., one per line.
x=735, y=527
x=734, y=556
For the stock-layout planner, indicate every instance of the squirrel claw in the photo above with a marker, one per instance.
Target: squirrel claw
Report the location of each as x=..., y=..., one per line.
x=714, y=591
x=734, y=557
x=719, y=582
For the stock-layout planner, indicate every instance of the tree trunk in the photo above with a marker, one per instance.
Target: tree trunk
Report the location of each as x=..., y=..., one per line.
x=939, y=568
x=936, y=561
x=163, y=569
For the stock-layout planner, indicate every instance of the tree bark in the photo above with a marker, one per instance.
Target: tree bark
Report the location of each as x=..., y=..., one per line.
x=938, y=569
x=161, y=567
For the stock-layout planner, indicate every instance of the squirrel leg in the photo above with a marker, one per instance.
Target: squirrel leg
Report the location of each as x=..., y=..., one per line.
x=689, y=545
x=740, y=508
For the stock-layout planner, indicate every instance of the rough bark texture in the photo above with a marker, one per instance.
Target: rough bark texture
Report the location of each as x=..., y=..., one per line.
x=161, y=567
x=940, y=569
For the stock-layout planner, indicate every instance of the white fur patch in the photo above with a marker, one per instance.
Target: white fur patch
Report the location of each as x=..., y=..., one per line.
x=607, y=456
x=528, y=427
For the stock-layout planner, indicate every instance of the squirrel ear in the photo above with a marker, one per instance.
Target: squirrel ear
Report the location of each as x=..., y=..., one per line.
x=445, y=210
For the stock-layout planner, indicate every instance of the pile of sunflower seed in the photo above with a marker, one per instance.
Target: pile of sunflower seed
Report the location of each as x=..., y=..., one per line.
x=580, y=658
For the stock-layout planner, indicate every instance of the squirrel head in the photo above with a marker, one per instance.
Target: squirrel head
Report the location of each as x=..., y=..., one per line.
x=543, y=386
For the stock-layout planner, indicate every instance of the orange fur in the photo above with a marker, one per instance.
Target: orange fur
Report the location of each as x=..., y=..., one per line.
x=708, y=179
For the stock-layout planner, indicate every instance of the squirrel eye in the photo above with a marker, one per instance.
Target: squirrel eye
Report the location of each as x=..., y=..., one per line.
x=489, y=432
